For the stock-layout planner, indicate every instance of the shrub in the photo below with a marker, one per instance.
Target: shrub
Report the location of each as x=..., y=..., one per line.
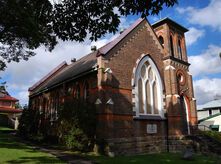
x=76, y=125
x=29, y=123
x=213, y=134
x=76, y=139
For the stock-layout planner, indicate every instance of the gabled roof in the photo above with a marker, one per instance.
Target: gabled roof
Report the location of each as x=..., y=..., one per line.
x=171, y=22
x=105, y=49
x=209, y=105
x=209, y=117
x=8, y=98
x=54, y=71
x=83, y=65
x=9, y=110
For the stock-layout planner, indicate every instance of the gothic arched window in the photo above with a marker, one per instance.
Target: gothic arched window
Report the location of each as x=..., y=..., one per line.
x=78, y=92
x=148, y=89
x=161, y=40
x=179, y=49
x=86, y=90
x=171, y=45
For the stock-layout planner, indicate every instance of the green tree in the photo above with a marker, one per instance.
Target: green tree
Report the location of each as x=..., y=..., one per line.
x=26, y=24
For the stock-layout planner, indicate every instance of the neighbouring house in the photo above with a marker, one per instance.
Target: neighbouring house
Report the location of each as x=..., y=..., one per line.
x=140, y=83
x=8, y=112
x=209, y=115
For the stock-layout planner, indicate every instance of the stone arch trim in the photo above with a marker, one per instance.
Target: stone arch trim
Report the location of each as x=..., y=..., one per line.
x=139, y=62
x=188, y=112
x=180, y=72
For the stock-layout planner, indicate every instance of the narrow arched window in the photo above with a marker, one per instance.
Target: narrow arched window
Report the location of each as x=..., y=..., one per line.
x=161, y=40
x=86, y=90
x=179, y=49
x=78, y=92
x=148, y=89
x=171, y=45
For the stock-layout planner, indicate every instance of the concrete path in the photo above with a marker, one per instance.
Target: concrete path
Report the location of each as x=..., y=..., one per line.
x=61, y=154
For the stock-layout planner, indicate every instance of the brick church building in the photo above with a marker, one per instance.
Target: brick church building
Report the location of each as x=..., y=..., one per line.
x=140, y=83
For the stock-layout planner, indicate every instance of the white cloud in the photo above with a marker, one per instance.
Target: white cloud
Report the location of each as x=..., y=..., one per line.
x=206, y=89
x=206, y=63
x=23, y=97
x=20, y=76
x=193, y=35
x=207, y=16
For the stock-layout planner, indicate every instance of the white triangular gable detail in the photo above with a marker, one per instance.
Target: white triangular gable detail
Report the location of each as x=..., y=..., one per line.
x=98, y=101
x=110, y=102
x=169, y=67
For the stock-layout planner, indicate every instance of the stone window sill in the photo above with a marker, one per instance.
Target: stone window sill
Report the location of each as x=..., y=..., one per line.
x=148, y=117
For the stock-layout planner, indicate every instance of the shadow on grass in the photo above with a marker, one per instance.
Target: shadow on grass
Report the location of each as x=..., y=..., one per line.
x=34, y=160
x=162, y=158
x=9, y=141
x=14, y=151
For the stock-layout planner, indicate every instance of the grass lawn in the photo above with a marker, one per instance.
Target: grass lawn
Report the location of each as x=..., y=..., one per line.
x=11, y=151
x=163, y=158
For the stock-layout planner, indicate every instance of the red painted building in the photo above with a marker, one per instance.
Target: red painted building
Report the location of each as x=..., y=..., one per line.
x=8, y=112
x=140, y=83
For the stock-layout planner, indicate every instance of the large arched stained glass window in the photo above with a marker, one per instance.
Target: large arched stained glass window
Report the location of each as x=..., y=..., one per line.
x=148, y=88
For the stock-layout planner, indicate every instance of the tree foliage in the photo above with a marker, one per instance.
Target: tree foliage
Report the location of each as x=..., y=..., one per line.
x=26, y=24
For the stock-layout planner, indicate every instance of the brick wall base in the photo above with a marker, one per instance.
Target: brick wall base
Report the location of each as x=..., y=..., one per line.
x=144, y=145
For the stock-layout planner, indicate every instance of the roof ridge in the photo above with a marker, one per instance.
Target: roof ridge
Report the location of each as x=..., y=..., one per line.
x=170, y=21
x=110, y=45
x=47, y=76
x=209, y=104
x=91, y=53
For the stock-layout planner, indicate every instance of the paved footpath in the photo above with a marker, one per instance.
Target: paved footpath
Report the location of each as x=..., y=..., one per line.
x=61, y=154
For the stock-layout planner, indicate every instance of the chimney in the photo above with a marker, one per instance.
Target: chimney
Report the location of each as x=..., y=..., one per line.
x=73, y=60
x=93, y=48
x=122, y=30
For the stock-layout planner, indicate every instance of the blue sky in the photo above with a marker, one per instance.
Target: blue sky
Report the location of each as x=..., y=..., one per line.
x=201, y=17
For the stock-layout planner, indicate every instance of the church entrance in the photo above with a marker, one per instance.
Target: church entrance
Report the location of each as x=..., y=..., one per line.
x=185, y=116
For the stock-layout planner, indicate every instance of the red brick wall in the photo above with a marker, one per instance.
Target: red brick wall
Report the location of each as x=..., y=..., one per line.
x=118, y=118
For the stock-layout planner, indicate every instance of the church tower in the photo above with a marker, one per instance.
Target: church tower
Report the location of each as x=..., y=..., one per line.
x=179, y=97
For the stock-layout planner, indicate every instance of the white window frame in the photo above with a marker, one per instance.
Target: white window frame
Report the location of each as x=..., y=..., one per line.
x=159, y=86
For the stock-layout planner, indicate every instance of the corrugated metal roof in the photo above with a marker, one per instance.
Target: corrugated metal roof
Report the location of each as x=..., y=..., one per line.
x=55, y=70
x=84, y=64
x=211, y=104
